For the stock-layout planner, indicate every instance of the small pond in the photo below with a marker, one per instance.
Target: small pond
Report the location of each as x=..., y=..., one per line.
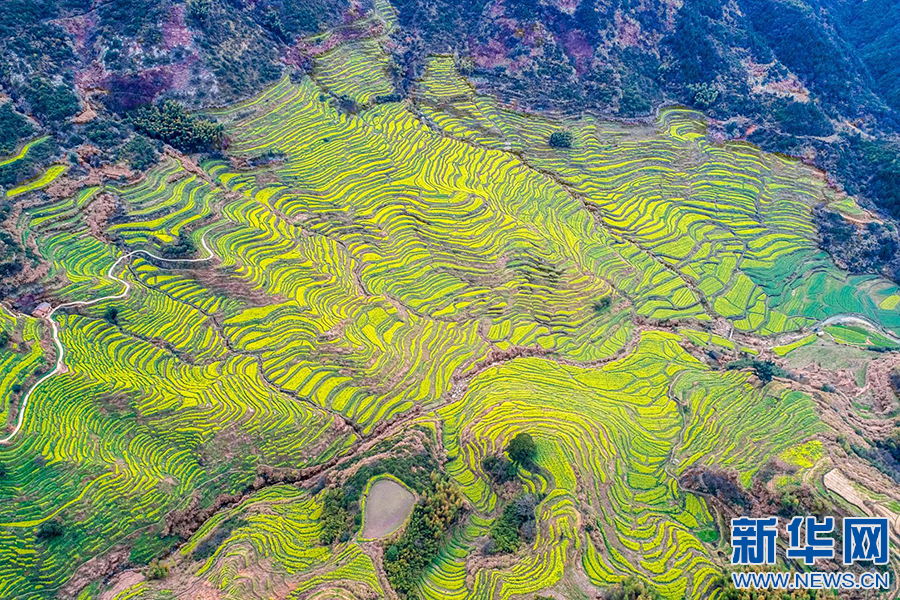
x=388, y=504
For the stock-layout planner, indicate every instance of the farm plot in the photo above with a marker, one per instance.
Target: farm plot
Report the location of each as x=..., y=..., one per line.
x=733, y=223
x=611, y=443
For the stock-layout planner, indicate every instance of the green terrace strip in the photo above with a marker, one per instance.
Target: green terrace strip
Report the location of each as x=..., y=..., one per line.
x=353, y=266
x=45, y=179
x=23, y=151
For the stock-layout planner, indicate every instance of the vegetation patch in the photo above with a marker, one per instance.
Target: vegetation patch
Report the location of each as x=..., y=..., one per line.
x=171, y=123
x=406, y=559
x=516, y=524
x=765, y=370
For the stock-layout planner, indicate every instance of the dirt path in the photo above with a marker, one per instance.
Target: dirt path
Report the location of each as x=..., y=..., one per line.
x=60, y=350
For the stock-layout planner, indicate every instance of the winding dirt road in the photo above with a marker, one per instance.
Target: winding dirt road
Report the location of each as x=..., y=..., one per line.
x=126, y=288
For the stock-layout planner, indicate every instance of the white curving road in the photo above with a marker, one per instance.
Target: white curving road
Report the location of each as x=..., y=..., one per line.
x=60, y=351
x=857, y=319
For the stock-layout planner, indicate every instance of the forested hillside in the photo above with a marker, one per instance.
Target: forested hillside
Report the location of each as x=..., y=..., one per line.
x=816, y=79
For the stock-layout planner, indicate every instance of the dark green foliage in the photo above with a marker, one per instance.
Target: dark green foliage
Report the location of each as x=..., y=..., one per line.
x=872, y=248
x=50, y=103
x=873, y=28
x=522, y=449
x=516, y=523
x=27, y=37
x=414, y=470
x=49, y=530
x=182, y=247
x=765, y=370
x=691, y=44
x=721, y=484
x=4, y=339
x=298, y=16
x=111, y=315
x=247, y=71
x=29, y=166
x=802, y=44
x=632, y=589
x=336, y=518
x=132, y=17
x=560, y=139
x=103, y=133
x=499, y=468
x=348, y=105
x=882, y=455
x=894, y=380
x=802, y=118
x=340, y=510
x=891, y=444
x=200, y=11
x=406, y=559
x=602, y=305
x=634, y=102
x=873, y=167
x=271, y=20
x=13, y=128
x=171, y=123
x=210, y=544
x=385, y=99
x=10, y=267
x=139, y=153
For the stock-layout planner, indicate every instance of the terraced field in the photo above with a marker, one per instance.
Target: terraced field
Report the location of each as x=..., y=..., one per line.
x=427, y=263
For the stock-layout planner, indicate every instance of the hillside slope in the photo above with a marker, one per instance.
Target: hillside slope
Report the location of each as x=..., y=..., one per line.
x=402, y=288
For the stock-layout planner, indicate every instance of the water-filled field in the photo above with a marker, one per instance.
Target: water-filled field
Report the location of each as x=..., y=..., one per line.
x=388, y=504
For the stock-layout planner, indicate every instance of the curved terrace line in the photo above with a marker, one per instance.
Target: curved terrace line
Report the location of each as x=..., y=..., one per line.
x=60, y=359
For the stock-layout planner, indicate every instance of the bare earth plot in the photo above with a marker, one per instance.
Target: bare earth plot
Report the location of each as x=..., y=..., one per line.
x=388, y=504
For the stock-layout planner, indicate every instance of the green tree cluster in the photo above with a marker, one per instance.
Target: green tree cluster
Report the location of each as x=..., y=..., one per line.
x=182, y=246
x=13, y=127
x=499, y=468
x=200, y=11
x=517, y=522
x=406, y=559
x=521, y=449
x=111, y=315
x=139, y=153
x=51, y=103
x=765, y=370
x=171, y=123
x=49, y=530
x=632, y=589
x=336, y=519
x=560, y=139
